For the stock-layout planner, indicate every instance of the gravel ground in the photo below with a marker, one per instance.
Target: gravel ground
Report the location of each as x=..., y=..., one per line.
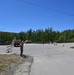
x=25, y=68
x=49, y=59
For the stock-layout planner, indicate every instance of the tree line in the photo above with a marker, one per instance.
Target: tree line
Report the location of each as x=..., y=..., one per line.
x=39, y=36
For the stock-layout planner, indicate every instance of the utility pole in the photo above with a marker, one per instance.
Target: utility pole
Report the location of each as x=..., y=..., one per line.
x=1, y=36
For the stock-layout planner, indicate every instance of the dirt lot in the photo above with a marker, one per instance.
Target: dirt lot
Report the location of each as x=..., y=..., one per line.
x=9, y=63
x=50, y=59
x=47, y=59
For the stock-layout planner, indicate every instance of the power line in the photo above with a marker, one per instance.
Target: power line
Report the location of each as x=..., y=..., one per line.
x=70, y=14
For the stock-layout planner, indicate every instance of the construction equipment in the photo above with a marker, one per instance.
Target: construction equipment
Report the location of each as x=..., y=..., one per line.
x=27, y=41
x=16, y=43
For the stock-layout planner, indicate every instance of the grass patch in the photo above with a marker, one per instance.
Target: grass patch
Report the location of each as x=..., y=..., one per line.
x=72, y=47
x=9, y=62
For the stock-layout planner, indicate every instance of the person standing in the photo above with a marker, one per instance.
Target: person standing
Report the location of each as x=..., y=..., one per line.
x=21, y=48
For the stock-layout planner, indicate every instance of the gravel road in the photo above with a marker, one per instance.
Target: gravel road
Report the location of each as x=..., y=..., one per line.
x=51, y=59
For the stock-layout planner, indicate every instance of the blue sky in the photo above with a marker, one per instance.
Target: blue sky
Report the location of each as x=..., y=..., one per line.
x=17, y=15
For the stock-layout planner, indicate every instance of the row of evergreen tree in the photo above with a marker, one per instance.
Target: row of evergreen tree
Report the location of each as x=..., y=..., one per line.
x=39, y=36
